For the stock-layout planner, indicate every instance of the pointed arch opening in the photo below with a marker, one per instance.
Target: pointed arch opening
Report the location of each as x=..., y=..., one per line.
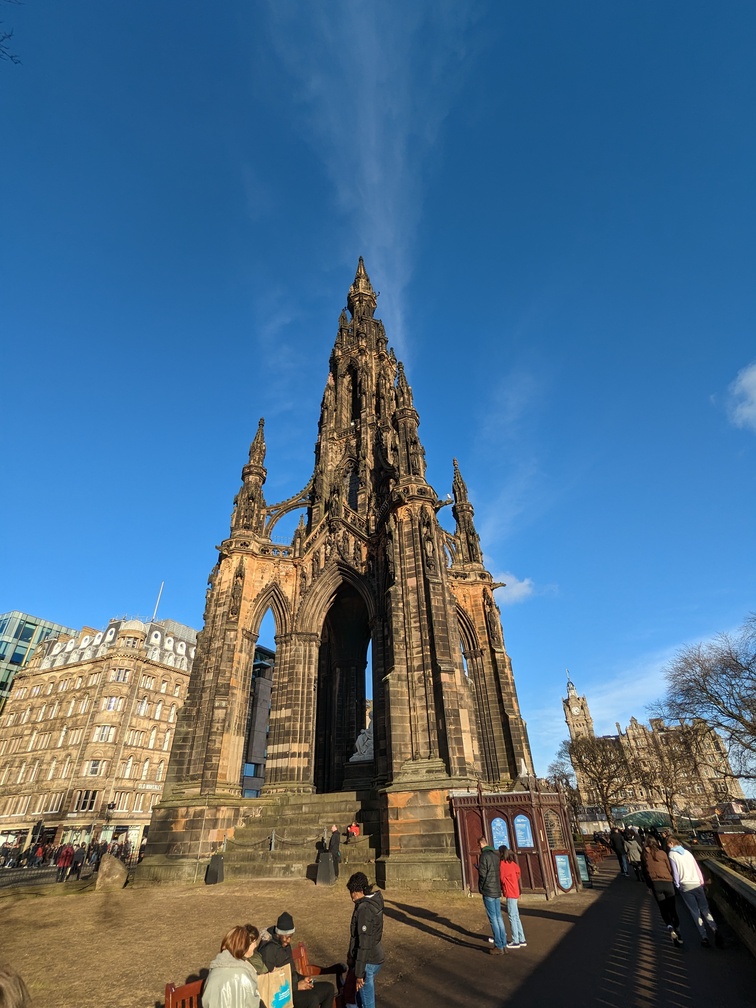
x=258, y=707
x=341, y=692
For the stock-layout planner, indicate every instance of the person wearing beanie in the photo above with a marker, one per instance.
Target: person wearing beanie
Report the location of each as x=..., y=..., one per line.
x=365, y=956
x=307, y=993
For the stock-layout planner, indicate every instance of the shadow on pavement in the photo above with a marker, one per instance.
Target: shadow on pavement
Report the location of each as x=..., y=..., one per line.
x=616, y=954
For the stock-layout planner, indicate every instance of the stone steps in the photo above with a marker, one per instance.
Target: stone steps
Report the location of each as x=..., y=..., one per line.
x=294, y=825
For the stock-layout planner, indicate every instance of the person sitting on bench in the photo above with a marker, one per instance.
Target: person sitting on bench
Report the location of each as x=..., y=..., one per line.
x=308, y=993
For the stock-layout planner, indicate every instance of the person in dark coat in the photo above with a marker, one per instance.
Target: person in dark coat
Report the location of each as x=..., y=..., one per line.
x=489, y=887
x=617, y=843
x=333, y=849
x=658, y=872
x=365, y=955
x=308, y=993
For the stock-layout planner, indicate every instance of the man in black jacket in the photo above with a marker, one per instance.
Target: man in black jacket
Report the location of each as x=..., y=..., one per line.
x=333, y=849
x=365, y=954
x=307, y=993
x=489, y=887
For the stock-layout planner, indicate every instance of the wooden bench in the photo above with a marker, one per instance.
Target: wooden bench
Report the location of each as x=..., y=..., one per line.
x=185, y=996
x=303, y=965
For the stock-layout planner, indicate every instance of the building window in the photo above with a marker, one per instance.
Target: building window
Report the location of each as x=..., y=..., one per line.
x=172, y=715
x=139, y=802
x=63, y=685
x=51, y=771
x=41, y=712
x=142, y=707
x=66, y=767
x=145, y=769
x=112, y=703
x=84, y=801
x=153, y=736
x=33, y=771
x=119, y=675
x=167, y=741
x=95, y=767
x=176, y=689
x=20, y=805
x=84, y=705
x=127, y=767
x=121, y=799
x=148, y=682
x=79, y=682
x=75, y=736
x=21, y=774
x=163, y=686
x=104, y=733
x=93, y=679
x=54, y=801
x=160, y=771
x=71, y=706
x=158, y=710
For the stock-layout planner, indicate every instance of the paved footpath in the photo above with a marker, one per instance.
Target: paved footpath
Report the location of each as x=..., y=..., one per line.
x=613, y=953
x=601, y=948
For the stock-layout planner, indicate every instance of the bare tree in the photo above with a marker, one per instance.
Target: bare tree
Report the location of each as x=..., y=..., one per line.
x=604, y=773
x=5, y=37
x=716, y=682
x=561, y=776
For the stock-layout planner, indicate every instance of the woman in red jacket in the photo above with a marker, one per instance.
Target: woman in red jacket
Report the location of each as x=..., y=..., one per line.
x=510, y=887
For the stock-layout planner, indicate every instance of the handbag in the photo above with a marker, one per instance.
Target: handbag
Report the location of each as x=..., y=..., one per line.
x=275, y=987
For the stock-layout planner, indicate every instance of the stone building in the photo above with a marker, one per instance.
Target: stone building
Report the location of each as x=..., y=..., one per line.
x=683, y=766
x=20, y=634
x=86, y=734
x=369, y=568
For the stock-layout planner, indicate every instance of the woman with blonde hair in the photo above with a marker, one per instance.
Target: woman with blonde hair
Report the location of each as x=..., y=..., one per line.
x=13, y=992
x=232, y=982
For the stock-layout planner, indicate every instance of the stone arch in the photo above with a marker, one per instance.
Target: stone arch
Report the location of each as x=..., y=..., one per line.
x=271, y=597
x=322, y=594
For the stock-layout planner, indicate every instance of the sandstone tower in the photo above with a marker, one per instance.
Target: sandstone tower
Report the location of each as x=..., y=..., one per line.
x=368, y=565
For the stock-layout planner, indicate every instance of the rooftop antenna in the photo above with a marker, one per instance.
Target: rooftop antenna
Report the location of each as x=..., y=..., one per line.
x=154, y=615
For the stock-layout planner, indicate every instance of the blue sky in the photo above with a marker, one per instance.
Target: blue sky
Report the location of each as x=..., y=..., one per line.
x=557, y=204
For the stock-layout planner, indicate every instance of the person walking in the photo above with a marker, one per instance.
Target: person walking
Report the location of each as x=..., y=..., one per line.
x=489, y=887
x=63, y=862
x=633, y=854
x=689, y=880
x=617, y=843
x=77, y=861
x=365, y=955
x=509, y=871
x=658, y=872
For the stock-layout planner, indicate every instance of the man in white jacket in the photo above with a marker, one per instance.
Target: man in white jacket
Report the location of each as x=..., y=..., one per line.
x=689, y=880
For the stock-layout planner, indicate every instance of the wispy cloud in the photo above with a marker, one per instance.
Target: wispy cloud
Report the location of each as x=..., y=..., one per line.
x=742, y=398
x=375, y=83
x=516, y=590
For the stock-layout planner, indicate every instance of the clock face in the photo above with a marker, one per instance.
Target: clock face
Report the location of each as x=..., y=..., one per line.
x=575, y=710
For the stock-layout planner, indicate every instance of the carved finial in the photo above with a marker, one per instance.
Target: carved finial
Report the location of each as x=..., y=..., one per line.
x=459, y=487
x=362, y=299
x=257, y=448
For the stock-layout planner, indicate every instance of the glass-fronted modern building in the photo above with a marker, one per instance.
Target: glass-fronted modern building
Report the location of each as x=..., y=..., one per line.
x=20, y=634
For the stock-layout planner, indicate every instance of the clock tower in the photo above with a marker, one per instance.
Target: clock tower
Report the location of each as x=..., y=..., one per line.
x=576, y=713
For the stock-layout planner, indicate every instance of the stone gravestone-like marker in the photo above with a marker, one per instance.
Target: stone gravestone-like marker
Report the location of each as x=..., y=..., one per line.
x=112, y=874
